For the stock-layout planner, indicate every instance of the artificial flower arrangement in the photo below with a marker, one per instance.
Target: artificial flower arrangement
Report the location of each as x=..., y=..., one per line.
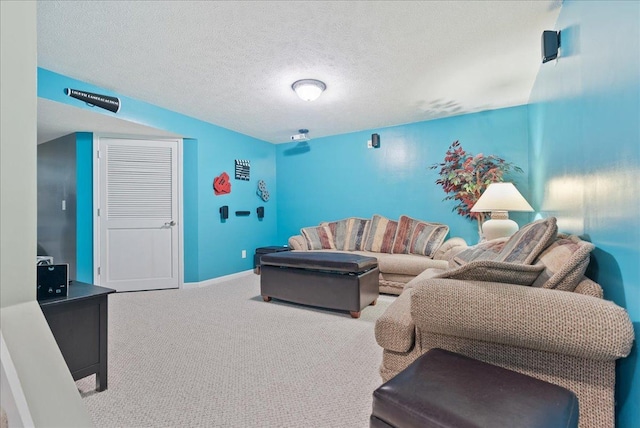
x=464, y=177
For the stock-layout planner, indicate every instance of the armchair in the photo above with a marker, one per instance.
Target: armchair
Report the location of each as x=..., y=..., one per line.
x=571, y=339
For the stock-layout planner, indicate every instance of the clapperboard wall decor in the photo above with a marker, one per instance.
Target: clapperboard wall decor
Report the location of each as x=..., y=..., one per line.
x=243, y=168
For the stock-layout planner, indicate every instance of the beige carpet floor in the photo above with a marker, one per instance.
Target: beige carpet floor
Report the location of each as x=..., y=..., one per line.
x=219, y=356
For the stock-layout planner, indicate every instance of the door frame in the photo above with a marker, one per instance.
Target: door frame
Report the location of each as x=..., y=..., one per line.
x=97, y=245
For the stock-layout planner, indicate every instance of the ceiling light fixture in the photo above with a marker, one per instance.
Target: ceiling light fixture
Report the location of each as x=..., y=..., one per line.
x=308, y=89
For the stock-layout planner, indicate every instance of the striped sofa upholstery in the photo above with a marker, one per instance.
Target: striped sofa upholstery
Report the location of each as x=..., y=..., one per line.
x=404, y=248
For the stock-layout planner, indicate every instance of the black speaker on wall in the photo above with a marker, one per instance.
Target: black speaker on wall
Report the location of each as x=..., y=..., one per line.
x=550, y=45
x=260, y=211
x=224, y=212
x=375, y=140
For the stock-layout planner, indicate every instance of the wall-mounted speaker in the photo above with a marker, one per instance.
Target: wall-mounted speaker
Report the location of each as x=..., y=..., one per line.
x=550, y=45
x=224, y=212
x=375, y=140
x=260, y=211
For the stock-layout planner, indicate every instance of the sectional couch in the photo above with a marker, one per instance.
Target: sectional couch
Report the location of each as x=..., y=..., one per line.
x=404, y=248
x=521, y=303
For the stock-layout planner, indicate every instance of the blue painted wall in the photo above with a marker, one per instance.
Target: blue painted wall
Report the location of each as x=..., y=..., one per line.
x=212, y=248
x=336, y=177
x=190, y=210
x=84, y=207
x=585, y=155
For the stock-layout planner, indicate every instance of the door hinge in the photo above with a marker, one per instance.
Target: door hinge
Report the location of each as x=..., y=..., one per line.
x=98, y=270
x=98, y=212
x=98, y=154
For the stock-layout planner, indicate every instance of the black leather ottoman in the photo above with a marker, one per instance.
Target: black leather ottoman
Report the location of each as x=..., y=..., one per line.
x=445, y=389
x=340, y=281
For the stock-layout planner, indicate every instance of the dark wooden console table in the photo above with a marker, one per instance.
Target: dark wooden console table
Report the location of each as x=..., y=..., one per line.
x=79, y=325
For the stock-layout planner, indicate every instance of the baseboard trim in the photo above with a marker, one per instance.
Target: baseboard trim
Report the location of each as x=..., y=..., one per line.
x=217, y=280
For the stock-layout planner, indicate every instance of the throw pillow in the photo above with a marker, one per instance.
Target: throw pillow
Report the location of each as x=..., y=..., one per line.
x=564, y=262
x=487, y=270
x=487, y=250
x=339, y=232
x=356, y=233
x=381, y=234
x=318, y=238
x=418, y=237
x=527, y=243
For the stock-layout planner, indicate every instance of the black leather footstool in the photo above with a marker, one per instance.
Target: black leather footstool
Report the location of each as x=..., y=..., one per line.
x=445, y=389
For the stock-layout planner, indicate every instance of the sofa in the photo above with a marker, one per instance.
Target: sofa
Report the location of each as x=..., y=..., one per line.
x=521, y=303
x=404, y=248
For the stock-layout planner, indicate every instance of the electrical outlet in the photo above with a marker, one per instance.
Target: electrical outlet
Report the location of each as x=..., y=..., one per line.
x=244, y=254
x=369, y=144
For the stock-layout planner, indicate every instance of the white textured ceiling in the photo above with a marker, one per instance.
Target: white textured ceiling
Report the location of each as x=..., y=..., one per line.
x=233, y=63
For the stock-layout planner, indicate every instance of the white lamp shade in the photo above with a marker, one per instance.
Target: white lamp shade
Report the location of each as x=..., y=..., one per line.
x=501, y=197
x=309, y=89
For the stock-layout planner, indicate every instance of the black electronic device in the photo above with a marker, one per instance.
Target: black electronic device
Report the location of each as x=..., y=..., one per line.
x=53, y=281
x=265, y=250
x=260, y=212
x=375, y=140
x=224, y=212
x=550, y=45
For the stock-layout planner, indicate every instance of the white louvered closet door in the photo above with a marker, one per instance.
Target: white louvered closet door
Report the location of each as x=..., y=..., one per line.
x=138, y=214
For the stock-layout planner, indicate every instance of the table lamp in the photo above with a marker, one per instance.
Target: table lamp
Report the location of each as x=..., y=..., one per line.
x=499, y=199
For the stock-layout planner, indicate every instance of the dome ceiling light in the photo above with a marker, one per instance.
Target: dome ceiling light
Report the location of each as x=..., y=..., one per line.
x=308, y=89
